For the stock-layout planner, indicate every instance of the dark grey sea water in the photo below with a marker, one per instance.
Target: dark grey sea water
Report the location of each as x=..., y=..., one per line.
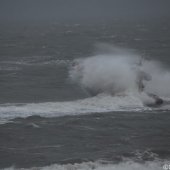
x=48, y=121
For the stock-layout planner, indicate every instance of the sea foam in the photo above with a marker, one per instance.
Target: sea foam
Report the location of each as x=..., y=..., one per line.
x=126, y=165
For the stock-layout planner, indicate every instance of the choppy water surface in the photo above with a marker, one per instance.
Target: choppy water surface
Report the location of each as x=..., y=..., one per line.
x=49, y=120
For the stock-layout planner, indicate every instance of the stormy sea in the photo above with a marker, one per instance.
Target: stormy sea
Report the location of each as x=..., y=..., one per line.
x=69, y=96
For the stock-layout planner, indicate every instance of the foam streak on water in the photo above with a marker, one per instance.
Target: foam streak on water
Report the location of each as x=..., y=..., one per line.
x=97, y=104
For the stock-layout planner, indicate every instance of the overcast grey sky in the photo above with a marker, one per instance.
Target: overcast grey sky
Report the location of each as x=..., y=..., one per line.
x=82, y=9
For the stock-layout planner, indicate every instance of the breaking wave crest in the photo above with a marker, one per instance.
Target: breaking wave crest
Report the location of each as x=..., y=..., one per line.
x=125, y=165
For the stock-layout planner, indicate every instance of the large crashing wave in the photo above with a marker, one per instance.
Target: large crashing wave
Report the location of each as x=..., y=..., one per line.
x=117, y=73
x=105, y=73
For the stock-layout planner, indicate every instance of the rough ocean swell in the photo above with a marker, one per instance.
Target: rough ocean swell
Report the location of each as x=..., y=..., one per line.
x=65, y=107
x=106, y=129
x=112, y=78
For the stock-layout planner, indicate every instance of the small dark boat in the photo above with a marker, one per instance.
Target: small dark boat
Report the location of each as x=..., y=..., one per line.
x=158, y=101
